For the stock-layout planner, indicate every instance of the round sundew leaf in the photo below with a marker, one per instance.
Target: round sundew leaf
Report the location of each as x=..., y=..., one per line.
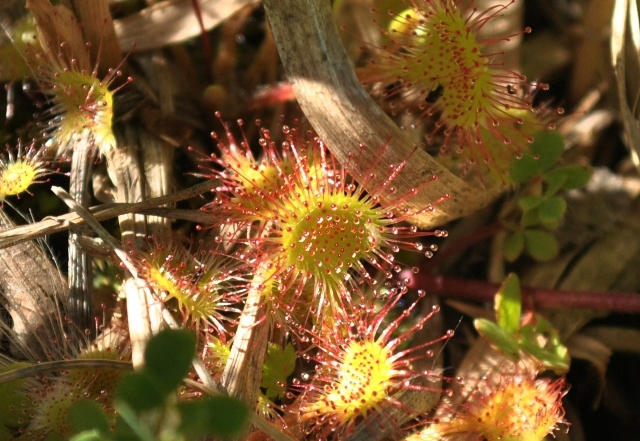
x=530, y=202
x=525, y=168
x=140, y=391
x=547, y=146
x=498, y=337
x=541, y=245
x=552, y=210
x=5, y=433
x=87, y=415
x=513, y=246
x=13, y=402
x=403, y=23
x=575, y=175
x=168, y=357
x=508, y=304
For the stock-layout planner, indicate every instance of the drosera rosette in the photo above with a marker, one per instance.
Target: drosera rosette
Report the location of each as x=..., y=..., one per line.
x=204, y=287
x=433, y=63
x=362, y=367
x=55, y=397
x=520, y=407
x=49, y=397
x=308, y=221
x=246, y=180
x=20, y=168
x=79, y=104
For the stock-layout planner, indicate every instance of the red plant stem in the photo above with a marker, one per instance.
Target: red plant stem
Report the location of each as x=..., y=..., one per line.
x=532, y=297
x=206, y=43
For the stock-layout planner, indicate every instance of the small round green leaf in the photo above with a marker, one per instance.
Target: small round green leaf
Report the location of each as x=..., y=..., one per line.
x=498, y=337
x=87, y=415
x=554, y=183
x=513, y=246
x=168, y=357
x=140, y=391
x=552, y=210
x=541, y=245
x=224, y=416
x=529, y=202
x=525, y=168
x=547, y=146
x=530, y=218
x=575, y=176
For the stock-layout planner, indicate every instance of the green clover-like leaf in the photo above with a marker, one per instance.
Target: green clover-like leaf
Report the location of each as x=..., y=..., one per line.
x=513, y=246
x=552, y=210
x=541, y=245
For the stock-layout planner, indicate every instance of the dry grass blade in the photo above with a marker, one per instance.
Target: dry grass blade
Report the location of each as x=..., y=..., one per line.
x=16, y=235
x=99, y=31
x=625, y=15
x=33, y=291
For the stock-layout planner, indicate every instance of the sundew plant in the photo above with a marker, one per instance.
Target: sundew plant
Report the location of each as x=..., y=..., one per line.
x=267, y=211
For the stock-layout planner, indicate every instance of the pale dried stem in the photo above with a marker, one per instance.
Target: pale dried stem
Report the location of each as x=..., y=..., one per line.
x=127, y=174
x=80, y=271
x=243, y=372
x=14, y=235
x=345, y=117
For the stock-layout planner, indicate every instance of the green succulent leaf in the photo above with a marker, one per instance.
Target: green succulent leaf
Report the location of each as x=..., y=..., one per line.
x=541, y=245
x=498, y=337
x=554, y=355
x=508, y=304
x=513, y=246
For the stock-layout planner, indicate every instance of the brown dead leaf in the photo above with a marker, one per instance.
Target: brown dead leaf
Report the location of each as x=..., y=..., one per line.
x=56, y=26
